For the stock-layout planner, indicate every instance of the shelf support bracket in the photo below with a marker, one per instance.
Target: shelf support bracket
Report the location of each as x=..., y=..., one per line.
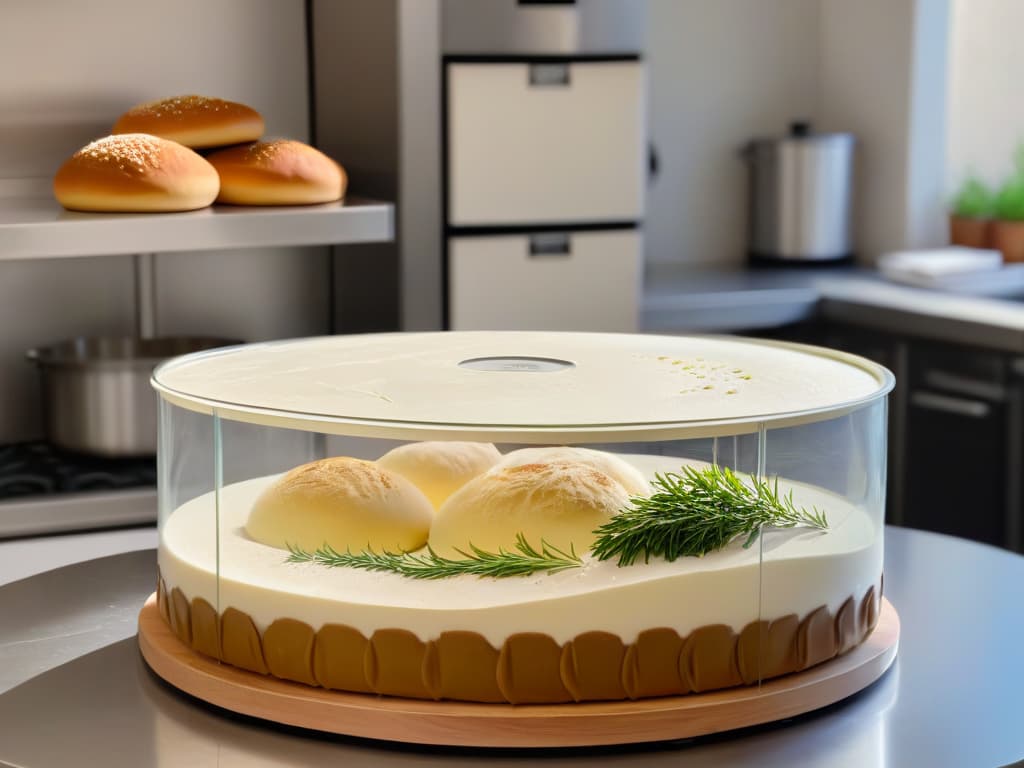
x=145, y=295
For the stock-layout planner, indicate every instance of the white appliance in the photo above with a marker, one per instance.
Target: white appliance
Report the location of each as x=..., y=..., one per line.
x=512, y=135
x=544, y=168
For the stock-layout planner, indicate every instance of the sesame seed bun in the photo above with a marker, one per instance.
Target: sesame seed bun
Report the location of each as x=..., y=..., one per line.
x=135, y=173
x=195, y=121
x=282, y=172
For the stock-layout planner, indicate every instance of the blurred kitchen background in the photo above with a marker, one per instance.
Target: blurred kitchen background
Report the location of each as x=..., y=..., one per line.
x=591, y=165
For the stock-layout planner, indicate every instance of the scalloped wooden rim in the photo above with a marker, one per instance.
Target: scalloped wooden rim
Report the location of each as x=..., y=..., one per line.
x=505, y=725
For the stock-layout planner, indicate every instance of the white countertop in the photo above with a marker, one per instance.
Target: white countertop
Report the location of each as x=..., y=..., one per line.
x=681, y=298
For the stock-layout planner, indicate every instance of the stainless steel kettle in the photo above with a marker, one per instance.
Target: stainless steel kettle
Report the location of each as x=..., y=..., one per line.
x=801, y=191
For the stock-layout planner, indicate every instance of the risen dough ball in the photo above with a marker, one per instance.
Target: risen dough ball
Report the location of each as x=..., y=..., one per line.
x=439, y=468
x=560, y=502
x=345, y=502
x=629, y=476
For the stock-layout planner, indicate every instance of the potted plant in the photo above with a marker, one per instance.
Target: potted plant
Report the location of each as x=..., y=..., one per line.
x=1008, y=227
x=971, y=217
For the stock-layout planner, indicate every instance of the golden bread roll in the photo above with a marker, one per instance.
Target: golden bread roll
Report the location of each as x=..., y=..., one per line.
x=629, y=476
x=195, y=121
x=347, y=503
x=439, y=468
x=282, y=172
x=559, y=502
x=135, y=172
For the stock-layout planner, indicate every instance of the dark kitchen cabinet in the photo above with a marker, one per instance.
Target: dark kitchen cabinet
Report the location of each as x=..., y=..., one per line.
x=960, y=456
x=881, y=348
x=956, y=431
x=955, y=466
x=891, y=352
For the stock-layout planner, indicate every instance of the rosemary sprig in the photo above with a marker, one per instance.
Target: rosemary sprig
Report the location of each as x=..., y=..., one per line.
x=697, y=512
x=525, y=560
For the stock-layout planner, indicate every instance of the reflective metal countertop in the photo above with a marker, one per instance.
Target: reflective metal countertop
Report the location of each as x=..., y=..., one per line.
x=74, y=690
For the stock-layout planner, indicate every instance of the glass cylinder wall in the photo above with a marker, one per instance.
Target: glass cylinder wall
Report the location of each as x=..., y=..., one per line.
x=522, y=562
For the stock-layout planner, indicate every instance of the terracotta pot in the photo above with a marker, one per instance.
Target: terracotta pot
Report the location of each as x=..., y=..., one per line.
x=1008, y=237
x=969, y=231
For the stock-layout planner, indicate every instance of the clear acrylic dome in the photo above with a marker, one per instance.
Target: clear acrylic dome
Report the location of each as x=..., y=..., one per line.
x=744, y=479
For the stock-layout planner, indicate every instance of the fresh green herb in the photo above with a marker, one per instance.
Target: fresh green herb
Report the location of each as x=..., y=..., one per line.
x=1009, y=201
x=974, y=200
x=697, y=512
x=525, y=560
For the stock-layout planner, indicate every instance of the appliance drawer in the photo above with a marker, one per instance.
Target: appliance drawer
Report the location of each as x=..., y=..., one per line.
x=582, y=281
x=532, y=143
x=957, y=466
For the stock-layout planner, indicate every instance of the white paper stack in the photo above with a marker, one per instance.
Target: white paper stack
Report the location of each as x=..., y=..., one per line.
x=976, y=271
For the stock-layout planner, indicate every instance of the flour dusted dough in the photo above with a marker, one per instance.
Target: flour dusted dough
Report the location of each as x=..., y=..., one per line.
x=629, y=476
x=440, y=467
x=559, y=502
x=344, y=502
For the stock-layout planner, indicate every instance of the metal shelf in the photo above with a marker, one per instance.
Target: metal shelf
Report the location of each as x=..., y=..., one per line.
x=63, y=512
x=37, y=227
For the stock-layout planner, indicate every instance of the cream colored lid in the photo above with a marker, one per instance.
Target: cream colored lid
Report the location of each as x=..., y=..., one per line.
x=522, y=386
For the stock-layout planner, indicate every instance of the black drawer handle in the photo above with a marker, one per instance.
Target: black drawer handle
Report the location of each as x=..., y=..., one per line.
x=549, y=74
x=958, y=406
x=964, y=385
x=550, y=244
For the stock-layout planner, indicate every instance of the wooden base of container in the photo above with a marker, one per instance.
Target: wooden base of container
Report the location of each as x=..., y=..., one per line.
x=504, y=725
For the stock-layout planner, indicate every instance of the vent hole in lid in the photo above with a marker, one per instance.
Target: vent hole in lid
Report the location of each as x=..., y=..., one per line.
x=515, y=364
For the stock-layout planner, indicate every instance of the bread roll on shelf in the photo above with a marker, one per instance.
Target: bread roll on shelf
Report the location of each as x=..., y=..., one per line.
x=135, y=173
x=281, y=172
x=199, y=122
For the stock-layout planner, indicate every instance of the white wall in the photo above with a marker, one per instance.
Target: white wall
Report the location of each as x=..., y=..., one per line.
x=725, y=71
x=927, y=222
x=868, y=95
x=883, y=75
x=721, y=73
x=986, y=105
x=69, y=69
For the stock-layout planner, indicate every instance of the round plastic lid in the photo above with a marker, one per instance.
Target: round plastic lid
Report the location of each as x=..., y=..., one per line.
x=523, y=386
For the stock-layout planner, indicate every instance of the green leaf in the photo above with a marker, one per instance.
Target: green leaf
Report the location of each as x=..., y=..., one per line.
x=524, y=560
x=697, y=512
x=1009, y=200
x=974, y=200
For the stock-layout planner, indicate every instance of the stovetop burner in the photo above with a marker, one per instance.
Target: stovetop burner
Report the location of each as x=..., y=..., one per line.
x=28, y=469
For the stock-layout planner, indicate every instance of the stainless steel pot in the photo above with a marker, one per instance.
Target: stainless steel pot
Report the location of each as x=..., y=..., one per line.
x=96, y=393
x=801, y=193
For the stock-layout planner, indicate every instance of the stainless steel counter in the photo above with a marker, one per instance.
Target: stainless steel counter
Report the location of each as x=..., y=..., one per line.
x=678, y=298
x=74, y=690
